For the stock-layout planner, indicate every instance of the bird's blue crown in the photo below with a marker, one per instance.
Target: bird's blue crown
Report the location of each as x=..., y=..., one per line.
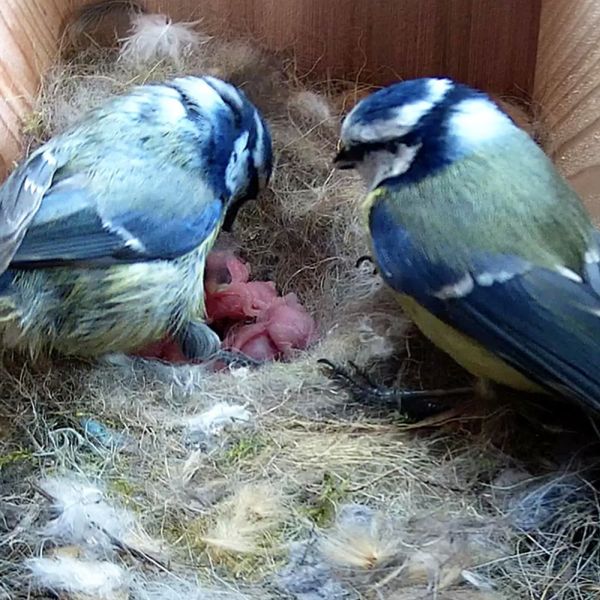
x=446, y=120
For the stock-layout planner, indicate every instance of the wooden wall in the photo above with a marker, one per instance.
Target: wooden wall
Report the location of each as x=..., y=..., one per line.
x=29, y=31
x=488, y=43
x=567, y=91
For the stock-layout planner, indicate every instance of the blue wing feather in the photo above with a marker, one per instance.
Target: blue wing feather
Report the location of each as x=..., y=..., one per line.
x=544, y=324
x=135, y=202
x=69, y=227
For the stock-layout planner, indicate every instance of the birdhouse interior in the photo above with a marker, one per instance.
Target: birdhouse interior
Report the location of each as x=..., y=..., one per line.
x=144, y=476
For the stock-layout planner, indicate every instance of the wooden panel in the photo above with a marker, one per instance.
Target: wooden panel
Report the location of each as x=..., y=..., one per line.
x=29, y=31
x=487, y=43
x=567, y=91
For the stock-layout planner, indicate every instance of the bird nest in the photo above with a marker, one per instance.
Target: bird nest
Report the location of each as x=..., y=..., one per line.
x=145, y=480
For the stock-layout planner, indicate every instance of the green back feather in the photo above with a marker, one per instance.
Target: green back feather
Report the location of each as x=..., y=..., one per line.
x=507, y=198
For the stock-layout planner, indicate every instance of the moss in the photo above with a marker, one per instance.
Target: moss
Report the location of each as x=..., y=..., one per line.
x=332, y=493
x=15, y=457
x=34, y=125
x=245, y=449
x=126, y=492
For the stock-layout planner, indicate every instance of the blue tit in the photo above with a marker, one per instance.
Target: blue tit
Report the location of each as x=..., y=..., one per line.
x=489, y=249
x=104, y=230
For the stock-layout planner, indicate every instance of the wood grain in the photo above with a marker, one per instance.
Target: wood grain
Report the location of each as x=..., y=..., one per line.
x=486, y=43
x=29, y=31
x=567, y=92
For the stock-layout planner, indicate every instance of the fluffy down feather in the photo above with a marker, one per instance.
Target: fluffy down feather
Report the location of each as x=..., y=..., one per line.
x=155, y=37
x=94, y=579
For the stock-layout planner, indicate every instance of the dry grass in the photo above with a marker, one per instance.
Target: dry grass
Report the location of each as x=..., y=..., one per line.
x=313, y=497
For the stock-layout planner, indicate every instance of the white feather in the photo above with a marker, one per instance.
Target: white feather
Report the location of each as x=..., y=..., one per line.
x=314, y=107
x=93, y=578
x=487, y=279
x=155, y=37
x=592, y=256
x=461, y=288
x=569, y=274
x=220, y=416
x=258, y=154
x=84, y=516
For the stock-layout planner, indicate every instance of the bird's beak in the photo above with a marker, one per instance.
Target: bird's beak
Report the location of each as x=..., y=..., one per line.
x=344, y=159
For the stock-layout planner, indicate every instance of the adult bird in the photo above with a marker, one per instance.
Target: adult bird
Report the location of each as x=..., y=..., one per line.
x=490, y=251
x=104, y=229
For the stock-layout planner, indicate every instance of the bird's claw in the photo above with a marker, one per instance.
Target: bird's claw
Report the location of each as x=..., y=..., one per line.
x=233, y=358
x=416, y=404
x=365, y=259
x=358, y=383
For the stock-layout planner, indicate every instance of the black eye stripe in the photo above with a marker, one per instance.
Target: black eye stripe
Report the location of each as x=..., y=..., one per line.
x=358, y=151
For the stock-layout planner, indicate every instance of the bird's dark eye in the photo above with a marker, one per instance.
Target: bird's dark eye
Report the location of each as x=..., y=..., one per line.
x=391, y=145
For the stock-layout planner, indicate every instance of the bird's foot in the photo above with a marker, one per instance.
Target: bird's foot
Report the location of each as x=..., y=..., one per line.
x=414, y=404
x=198, y=341
x=233, y=358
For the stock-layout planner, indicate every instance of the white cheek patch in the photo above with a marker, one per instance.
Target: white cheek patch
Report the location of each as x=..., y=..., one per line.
x=236, y=173
x=381, y=165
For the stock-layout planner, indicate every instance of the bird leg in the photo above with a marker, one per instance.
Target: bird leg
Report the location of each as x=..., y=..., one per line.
x=415, y=404
x=233, y=358
x=199, y=342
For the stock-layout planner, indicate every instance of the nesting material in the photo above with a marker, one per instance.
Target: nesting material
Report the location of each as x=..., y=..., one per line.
x=361, y=540
x=368, y=549
x=156, y=37
x=243, y=520
x=174, y=587
x=84, y=579
x=313, y=107
x=83, y=516
x=264, y=507
x=211, y=424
